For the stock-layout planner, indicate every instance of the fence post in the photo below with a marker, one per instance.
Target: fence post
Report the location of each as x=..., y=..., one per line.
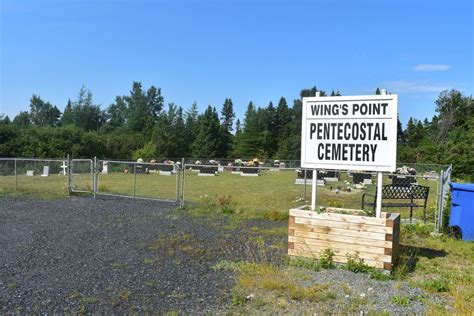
x=442, y=201
x=134, y=179
x=178, y=180
x=69, y=175
x=183, y=168
x=16, y=177
x=94, y=176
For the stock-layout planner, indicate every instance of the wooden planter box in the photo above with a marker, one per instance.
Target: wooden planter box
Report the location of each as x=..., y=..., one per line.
x=375, y=240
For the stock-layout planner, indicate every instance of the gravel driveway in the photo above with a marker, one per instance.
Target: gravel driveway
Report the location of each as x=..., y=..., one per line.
x=112, y=255
x=117, y=255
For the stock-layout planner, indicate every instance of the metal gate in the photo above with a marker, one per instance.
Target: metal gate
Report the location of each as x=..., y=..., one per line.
x=81, y=175
x=155, y=181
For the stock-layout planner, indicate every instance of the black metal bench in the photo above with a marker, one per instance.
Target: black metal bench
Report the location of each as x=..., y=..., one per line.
x=391, y=192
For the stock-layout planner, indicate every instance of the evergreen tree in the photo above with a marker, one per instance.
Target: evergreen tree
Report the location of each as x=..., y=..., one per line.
x=117, y=113
x=83, y=112
x=400, y=132
x=68, y=116
x=270, y=131
x=377, y=91
x=228, y=115
x=226, y=128
x=208, y=142
x=169, y=133
x=250, y=144
x=191, y=126
x=143, y=108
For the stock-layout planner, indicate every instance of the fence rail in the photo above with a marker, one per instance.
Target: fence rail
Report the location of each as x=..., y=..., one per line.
x=252, y=187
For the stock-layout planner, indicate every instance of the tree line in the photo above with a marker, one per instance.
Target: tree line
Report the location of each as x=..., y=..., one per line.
x=139, y=125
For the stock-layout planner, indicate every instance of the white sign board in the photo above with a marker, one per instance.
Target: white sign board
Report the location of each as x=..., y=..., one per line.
x=350, y=133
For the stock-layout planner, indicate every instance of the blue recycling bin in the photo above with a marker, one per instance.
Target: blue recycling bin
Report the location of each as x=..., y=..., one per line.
x=462, y=209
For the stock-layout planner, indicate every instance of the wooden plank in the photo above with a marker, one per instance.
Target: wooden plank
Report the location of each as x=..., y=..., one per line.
x=343, y=252
x=336, y=231
x=350, y=226
x=396, y=239
x=344, y=239
x=339, y=259
x=339, y=217
x=338, y=245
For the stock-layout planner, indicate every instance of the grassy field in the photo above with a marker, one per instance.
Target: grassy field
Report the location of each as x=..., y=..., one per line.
x=253, y=196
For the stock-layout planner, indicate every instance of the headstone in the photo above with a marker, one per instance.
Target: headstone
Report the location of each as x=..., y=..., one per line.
x=64, y=169
x=29, y=173
x=105, y=167
x=331, y=176
x=360, y=177
x=319, y=182
x=166, y=169
x=45, y=171
x=208, y=170
x=403, y=181
x=250, y=171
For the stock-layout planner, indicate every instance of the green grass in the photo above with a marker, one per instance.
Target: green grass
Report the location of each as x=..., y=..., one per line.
x=438, y=264
x=269, y=195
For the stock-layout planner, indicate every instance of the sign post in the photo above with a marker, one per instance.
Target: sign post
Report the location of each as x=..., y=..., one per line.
x=350, y=133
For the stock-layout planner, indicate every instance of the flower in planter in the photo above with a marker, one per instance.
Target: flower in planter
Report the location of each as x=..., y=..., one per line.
x=255, y=162
x=405, y=170
x=238, y=162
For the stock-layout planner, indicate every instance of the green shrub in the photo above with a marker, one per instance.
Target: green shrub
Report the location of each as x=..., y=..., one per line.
x=436, y=285
x=326, y=259
x=238, y=296
x=307, y=263
x=401, y=300
x=356, y=265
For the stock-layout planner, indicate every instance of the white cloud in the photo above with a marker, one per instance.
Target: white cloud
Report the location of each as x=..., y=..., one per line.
x=431, y=67
x=415, y=87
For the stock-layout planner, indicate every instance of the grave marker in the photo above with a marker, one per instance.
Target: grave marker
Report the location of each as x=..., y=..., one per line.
x=45, y=171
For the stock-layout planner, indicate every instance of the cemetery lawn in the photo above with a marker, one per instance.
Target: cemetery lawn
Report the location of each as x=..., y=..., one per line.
x=272, y=193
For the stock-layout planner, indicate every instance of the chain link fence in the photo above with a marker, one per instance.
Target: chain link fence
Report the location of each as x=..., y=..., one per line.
x=139, y=179
x=82, y=175
x=234, y=185
x=37, y=176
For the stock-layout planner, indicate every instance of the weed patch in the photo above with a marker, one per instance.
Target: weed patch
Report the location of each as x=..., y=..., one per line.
x=401, y=300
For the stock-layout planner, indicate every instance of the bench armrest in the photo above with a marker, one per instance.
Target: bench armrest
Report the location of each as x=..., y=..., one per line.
x=363, y=198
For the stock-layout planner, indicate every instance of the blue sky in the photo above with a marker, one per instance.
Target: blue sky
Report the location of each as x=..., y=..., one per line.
x=206, y=51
